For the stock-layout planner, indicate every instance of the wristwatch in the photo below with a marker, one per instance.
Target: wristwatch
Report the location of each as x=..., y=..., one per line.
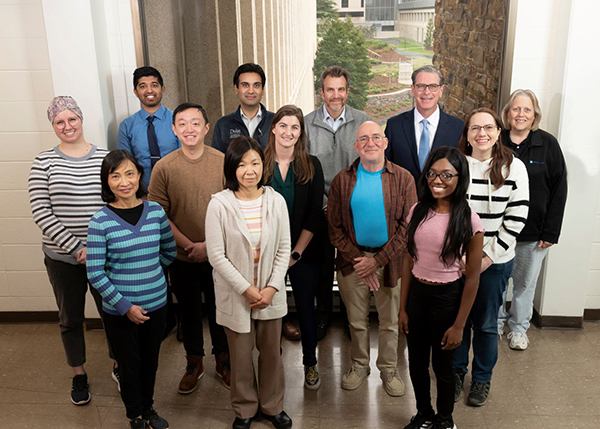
x=296, y=256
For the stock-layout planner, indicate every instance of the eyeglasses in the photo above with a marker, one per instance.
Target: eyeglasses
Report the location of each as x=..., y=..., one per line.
x=487, y=128
x=434, y=87
x=446, y=177
x=365, y=139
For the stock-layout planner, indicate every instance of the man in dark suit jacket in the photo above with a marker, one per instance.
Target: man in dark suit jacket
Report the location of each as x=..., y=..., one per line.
x=409, y=142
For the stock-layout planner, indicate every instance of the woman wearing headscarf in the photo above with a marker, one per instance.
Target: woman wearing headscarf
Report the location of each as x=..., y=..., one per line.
x=64, y=192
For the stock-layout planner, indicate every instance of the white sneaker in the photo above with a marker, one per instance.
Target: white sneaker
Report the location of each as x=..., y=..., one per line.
x=518, y=340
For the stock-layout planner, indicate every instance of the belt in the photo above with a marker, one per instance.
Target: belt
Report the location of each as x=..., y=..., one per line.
x=369, y=249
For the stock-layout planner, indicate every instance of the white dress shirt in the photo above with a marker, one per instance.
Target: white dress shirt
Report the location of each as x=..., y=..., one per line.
x=432, y=124
x=251, y=124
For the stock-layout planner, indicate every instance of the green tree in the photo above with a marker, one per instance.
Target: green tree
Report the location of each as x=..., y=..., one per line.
x=344, y=45
x=326, y=12
x=428, y=41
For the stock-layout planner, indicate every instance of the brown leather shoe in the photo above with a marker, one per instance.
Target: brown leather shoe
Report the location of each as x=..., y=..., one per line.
x=290, y=332
x=193, y=372
x=223, y=368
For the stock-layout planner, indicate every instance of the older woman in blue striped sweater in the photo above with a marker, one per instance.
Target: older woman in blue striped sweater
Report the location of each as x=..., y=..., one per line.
x=129, y=240
x=499, y=194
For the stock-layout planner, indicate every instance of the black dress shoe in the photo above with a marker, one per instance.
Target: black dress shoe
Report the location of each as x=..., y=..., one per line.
x=241, y=423
x=322, y=330
x=280, y=421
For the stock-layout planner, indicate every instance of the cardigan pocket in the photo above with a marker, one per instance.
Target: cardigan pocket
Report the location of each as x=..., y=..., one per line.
x=224, y=300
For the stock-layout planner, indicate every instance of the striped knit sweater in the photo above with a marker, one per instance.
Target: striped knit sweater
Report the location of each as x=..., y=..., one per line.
x=124, y=260
x=64, y=193
x=503, y=211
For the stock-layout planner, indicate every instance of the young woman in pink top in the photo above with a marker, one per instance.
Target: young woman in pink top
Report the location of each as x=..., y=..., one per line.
x=436, y=298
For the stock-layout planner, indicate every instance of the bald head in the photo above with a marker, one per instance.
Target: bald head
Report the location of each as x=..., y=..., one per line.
x=370, y=145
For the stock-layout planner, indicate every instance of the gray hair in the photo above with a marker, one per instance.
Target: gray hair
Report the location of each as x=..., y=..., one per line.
x=427, y=69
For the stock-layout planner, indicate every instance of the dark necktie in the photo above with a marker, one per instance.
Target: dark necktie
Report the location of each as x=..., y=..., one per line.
x=152, y=142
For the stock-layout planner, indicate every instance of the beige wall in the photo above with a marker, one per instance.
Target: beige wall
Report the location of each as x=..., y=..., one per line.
x=25, y=88
x=413, y=23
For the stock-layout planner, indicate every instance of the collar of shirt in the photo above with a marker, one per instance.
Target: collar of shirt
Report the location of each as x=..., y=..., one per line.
x=251, y=124
x=160, y=113
x=433, y=122
x=334, y=123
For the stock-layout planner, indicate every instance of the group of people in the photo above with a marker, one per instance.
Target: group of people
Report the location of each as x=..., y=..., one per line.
x=431, y=216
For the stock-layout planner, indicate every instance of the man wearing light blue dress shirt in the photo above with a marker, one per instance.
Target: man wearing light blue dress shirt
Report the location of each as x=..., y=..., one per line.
x=147, y=134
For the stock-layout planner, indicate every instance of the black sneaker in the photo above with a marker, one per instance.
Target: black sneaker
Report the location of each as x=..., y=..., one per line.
x=137, y=424
x=441, y=423
x=459, y=380
x=153, y=420
x=80, y=395
x=116, y=377
x=478, y=394
x=322, y=327
x=420, y=421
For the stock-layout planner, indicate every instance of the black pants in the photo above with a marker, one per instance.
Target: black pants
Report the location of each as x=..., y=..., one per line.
x=304, y=277
x=189, y=281
x=136, y=349
x=432, y=309
x=69, y=283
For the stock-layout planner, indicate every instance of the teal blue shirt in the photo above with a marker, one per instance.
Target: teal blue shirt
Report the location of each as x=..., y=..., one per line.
x=368, y=209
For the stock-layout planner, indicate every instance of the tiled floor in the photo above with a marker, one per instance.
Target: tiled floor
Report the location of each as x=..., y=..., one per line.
x=554, y=384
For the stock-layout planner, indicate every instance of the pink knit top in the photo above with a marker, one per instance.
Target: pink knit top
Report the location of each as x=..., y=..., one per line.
x=429, y=241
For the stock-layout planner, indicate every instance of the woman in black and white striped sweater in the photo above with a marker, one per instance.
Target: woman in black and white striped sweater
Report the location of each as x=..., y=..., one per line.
x=64, y=193
x=499, y=194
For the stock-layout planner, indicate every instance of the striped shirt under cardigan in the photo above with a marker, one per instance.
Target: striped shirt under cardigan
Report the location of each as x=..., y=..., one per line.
x=64, y=193
x=124, y=260
x=503, y=211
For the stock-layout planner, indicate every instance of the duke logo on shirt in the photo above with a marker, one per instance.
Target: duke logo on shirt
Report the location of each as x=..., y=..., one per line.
x=234, y=133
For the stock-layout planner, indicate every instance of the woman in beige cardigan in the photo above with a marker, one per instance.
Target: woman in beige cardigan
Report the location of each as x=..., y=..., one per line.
x=248, y=245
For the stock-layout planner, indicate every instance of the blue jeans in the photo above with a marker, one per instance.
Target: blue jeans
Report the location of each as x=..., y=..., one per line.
x=304, y=277
x=483, y=320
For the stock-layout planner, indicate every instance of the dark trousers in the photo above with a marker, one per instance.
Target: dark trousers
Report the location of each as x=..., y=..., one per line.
x=136, y=348
x=304, y=277
x=432, y=309
x=325, y=287
x=189, y=281
x=70, y=286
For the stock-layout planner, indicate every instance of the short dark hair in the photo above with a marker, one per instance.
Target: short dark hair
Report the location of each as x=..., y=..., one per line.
x=111, y=162
x=146, y=71
x=249, y=68
x=186, y=106
x=335, y=71
x=233, y=156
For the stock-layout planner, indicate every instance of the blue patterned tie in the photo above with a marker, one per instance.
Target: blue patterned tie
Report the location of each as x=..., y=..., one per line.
x=423, y=145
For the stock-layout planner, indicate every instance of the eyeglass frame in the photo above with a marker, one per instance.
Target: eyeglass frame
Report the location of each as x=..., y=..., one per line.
x=433, y=87
x=448, y=176
x=372, y=138
x=487, y=128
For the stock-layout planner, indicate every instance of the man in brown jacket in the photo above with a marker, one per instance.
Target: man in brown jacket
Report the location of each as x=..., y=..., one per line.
x=367, y=208
x=182, y=183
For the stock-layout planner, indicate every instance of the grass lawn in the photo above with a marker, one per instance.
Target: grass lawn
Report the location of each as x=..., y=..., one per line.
x=410, y=45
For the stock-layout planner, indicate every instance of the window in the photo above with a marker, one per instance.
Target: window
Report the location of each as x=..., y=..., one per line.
x=344, y=3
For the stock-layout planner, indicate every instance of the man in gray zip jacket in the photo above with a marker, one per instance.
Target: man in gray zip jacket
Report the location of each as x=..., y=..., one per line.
x=331, y=132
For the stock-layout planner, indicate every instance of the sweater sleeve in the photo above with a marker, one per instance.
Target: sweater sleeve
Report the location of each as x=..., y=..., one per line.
x=557, y=197
x=168, y=248
x=515, y=214
x=282, y=254
x=95, y=263
x=43, y=214
x=216, y=230
x=157, y=191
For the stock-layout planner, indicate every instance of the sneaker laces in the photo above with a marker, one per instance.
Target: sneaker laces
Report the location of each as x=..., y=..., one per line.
x=480, y=387
x=390, y=375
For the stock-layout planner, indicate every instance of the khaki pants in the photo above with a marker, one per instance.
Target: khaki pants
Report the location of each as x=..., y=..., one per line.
x=246, y=396
x=357, y=298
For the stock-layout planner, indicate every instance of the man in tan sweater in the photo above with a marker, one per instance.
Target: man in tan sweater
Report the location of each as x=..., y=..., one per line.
x=182, y=183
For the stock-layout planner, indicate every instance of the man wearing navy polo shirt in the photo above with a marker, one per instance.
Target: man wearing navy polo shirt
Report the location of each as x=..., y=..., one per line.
x=147, y=134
